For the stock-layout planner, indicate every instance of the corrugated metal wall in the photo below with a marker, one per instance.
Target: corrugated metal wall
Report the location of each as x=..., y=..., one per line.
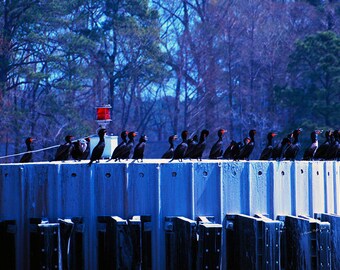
x=161, y=189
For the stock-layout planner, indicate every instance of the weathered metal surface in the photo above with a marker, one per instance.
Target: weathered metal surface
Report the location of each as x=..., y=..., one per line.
x=158, y=188
x=306, y=243
x=301, y=194
x=180, y=243
x=251, y=243
x=7, y=244
x=334, y=221
x=282, y=195
x=260, y=188
x=207, y=190
x=209, y=250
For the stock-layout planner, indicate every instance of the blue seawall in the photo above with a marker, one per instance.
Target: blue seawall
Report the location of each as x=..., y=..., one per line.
x=161, y=189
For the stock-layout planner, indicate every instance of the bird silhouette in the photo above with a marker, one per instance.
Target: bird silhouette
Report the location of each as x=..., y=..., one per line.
x=266, y=153
x=321, y=152
x=182, y=148
x=86, y=152
x=117, y=152
x=78, y=150
x=98, y=150
x=199, y=148
x=126, y=151
x=310, y=151
x=138, y=152
x=216, y=150
x=232, y=151
x=248, y=147
x=64, y=150
x=27, y=157
x=333, y=152
x=292, y=151
x=191, y=146
x=281, y=147
x=170, y=152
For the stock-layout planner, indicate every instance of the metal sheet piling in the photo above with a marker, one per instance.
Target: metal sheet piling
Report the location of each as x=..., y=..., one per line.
x=158, y=189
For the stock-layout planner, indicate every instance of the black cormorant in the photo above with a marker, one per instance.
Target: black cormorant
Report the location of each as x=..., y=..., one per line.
x=216, y=150
x=87, y=149
x=182, y=148
x=232, y=151
x=248, y=146
x=117, y=152
x=64, y=150
x=310, y=151
x=27, y=157
x=98, y=150
x=191, y=146
x=281, y=147
x=125, y=154
x=199, y=148
x=321, y=152
x=268, y=150
x=138, y=152
x=293, y=150
x=170, y=152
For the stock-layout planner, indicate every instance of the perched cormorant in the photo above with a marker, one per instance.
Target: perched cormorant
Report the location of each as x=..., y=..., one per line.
x=182, y=148
x=293, y=150
x=232, y=151
x=121, y=147
x=281, y=147
x=170, y=152
x=99, y=148
x=310, y=151
x=191, y=146
x=321, y=152
x=217, y=149
x=138, y=152
x=64, y=150
x=27, y=157
x=199, y=148
x=79, y=148
x=87, y=149
x=333, y=152
x=125, y=154
x=268, y=150
x=248, y=146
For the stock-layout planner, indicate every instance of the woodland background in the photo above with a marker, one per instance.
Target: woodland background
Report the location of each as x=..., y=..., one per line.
x=165, y=66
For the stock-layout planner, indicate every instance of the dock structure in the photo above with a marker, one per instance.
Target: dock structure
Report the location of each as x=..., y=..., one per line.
x=213, y=214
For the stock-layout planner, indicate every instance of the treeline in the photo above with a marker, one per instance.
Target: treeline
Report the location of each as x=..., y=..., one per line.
x=165, y=66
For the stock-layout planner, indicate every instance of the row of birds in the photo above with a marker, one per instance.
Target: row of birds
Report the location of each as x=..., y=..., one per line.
x=193, y=148
x=287, y=149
